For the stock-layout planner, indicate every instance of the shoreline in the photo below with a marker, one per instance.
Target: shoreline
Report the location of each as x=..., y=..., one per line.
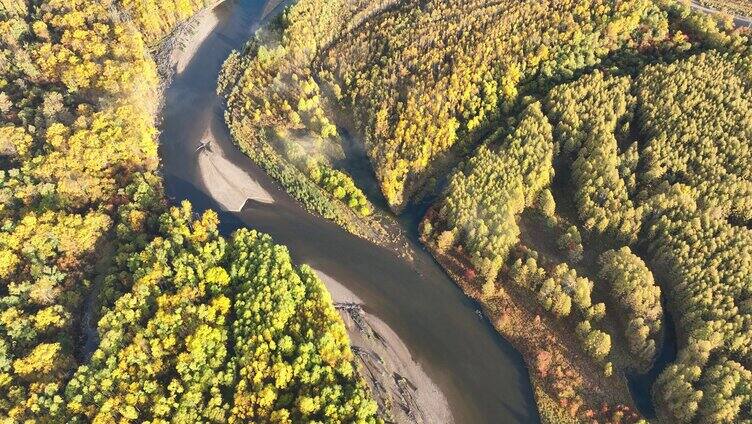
x=169, y=54
x=402, y=389
x=200, y=26
x=554, y=361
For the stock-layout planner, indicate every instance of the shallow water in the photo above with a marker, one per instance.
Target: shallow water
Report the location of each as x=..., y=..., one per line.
x=481, y=375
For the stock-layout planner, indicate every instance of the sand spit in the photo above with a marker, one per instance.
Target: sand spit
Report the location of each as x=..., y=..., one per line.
x=228, y=184
x=403, y=391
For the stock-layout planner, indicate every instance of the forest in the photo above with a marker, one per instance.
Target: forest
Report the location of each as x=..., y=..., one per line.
x=218, y=330
x=279, y=116
x=412, y=107
x=590, y=162
x=652, y=167
x=180, y=313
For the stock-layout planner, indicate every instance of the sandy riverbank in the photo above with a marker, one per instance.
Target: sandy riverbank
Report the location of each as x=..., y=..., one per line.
x=270, y=7
x=201, y=25
x=228, y=184
x=225, y=182
x=400, y=386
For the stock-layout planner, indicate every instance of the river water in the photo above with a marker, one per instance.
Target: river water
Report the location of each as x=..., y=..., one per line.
x=481, y=375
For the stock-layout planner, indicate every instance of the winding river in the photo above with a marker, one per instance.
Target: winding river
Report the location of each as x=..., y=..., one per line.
x=483, y=377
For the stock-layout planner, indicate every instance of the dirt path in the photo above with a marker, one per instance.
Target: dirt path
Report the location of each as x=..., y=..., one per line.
x=739, y=21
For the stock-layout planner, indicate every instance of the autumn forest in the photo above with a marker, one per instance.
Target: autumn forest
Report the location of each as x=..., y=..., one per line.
x=192, y=326
x=581, y=169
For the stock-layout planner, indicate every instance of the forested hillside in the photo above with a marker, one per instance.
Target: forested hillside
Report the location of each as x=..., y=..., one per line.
x=84, y=226
x=76, y=121
x=598, y=187
x=216, y=330
x=651, y=195
x=416, y=78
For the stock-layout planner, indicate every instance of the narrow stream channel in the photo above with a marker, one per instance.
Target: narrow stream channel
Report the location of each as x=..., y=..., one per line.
x=482, y=376
x=641, y=385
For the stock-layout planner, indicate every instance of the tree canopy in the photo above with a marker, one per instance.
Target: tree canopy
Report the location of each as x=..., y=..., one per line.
x=84, y=230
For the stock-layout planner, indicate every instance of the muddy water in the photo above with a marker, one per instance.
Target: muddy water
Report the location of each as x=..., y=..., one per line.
x=481, y=375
